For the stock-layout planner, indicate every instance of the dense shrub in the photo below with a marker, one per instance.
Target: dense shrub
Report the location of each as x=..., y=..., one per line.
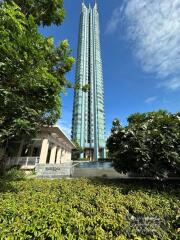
x=76, y=153
x=13, y=174
x=85, y=209
x=149, y=145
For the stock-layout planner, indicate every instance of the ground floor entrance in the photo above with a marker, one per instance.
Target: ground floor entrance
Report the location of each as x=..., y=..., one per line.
x=89, y=153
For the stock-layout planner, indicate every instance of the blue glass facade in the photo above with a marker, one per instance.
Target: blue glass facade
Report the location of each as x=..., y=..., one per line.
x=88, y=123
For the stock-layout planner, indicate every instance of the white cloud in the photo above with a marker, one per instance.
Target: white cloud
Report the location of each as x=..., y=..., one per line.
x=115, y=20
x=172, y=84
x=153, y=26
x=150, y=99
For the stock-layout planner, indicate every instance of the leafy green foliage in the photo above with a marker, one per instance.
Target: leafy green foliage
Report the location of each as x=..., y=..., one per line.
x=14, y=174
x=149, y=145
x=77, y=151
x=86, y=88
x=32, y=73
x=85, y=209
x=45, y=12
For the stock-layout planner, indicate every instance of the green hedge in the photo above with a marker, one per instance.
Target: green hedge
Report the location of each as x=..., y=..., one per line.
x=87, y=209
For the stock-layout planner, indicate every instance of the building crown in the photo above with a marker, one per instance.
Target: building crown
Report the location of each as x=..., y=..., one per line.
x=84, y=4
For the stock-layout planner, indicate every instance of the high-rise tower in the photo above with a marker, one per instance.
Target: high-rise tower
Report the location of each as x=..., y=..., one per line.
x=88, y=123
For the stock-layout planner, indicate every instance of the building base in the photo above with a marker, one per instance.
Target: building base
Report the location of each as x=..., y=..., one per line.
x=89, y=154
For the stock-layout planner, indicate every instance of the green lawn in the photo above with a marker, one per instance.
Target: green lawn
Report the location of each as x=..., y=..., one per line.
x=88, y=209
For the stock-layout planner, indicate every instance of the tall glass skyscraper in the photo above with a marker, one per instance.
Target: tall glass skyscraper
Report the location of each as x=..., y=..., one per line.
x=88, y=123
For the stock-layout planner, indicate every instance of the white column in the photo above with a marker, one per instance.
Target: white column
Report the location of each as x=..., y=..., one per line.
x=53, y=154
x=58, y=157
x=63, y=156
x=66, y=156
x=44, y=151
x=69, y=158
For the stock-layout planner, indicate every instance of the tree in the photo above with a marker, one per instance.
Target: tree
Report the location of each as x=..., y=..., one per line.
x=32, y=75
x=45, y=12
x=149, y=145
x=76, y=153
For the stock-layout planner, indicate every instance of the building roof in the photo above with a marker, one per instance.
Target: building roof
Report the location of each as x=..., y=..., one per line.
x=59, y=134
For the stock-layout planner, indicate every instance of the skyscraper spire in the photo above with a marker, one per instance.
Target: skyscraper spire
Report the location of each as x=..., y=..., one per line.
x=95, y=4
x=83, y=5
x=83, y=2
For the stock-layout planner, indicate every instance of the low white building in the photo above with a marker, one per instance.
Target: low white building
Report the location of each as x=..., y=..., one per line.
x=50, y=146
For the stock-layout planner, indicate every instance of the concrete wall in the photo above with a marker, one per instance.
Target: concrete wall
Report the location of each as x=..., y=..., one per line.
x=97, y=172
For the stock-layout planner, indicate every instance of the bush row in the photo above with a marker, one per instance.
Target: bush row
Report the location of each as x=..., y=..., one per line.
x=87, y=209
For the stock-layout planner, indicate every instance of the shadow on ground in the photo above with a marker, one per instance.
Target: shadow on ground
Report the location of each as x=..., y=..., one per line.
x=171, y=187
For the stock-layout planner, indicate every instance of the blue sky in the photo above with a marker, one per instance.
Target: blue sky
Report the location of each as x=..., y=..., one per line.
x=140, y=41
